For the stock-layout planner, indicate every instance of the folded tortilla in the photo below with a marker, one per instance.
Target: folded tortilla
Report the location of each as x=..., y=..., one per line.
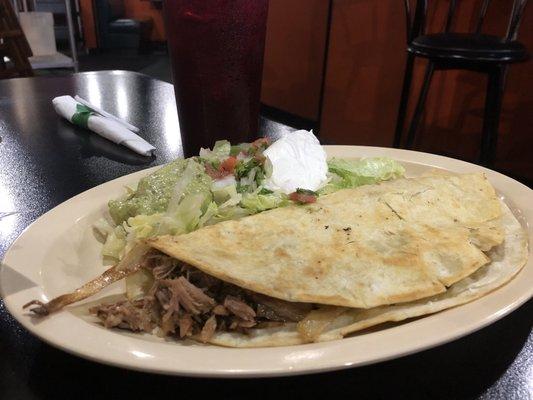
x=507, y=260
x=375, y=245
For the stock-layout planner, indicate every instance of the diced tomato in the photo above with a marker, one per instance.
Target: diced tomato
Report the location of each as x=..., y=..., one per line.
x=303, y=198
x=227, y=167
x=229, y=164
x=215, y=173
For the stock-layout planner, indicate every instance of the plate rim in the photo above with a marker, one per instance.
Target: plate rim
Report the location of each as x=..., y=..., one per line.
x=324, y=365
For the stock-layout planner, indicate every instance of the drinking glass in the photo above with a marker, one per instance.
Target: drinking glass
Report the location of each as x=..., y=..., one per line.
x=216, y=48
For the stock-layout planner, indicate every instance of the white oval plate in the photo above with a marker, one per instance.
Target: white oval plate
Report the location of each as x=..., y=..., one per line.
x=58, y=252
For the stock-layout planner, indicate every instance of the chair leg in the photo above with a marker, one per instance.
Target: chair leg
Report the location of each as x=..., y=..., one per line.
x=491, y=119
x=420, y=105
x=404, y=100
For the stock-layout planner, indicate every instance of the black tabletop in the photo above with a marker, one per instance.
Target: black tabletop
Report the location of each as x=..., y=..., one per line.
x=44, y=160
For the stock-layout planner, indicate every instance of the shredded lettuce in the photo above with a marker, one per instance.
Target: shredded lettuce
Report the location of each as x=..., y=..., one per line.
x=223, y=193
x=191, y=209
x=380, y=168
x=221, y=150
x=244, y=167
x=252, y=180
x=346, y=174
x=193, y=180
x=143, y=226
x=260, y=202
x=210, y=213
x=229, y=212
x=103, y=229
x=238, y=148
x=115, y=243
x=169, y=201
x=186, y=218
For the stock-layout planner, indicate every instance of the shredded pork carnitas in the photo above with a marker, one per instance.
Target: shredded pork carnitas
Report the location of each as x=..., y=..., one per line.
x=183, y=301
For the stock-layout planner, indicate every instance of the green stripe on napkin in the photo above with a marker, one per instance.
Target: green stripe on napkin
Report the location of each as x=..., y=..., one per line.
x=81, y=117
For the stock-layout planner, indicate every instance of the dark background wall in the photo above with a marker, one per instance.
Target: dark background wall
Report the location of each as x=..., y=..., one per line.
x=365, y=71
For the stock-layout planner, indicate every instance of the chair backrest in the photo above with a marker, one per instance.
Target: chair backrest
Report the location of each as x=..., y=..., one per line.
x=13, y=44
x=106, y=12
x=416, y=22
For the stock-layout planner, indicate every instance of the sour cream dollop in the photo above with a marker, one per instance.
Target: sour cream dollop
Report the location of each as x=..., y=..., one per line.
x=296, y=161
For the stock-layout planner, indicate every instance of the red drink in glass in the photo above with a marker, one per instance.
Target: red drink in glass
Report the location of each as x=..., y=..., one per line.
x=217, y=51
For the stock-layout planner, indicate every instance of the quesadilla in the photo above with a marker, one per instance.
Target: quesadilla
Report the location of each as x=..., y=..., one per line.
x=507, y=260
x=378, y=244
x=353, y=259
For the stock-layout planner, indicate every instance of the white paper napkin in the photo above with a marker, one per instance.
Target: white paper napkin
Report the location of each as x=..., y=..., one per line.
x=80, y=115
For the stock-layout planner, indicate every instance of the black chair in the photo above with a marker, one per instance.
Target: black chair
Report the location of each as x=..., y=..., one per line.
x=117, y=32
x=487, y=54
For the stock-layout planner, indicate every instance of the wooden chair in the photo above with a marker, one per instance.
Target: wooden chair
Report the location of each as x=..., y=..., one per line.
x=13, y=44
x=487, y=54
